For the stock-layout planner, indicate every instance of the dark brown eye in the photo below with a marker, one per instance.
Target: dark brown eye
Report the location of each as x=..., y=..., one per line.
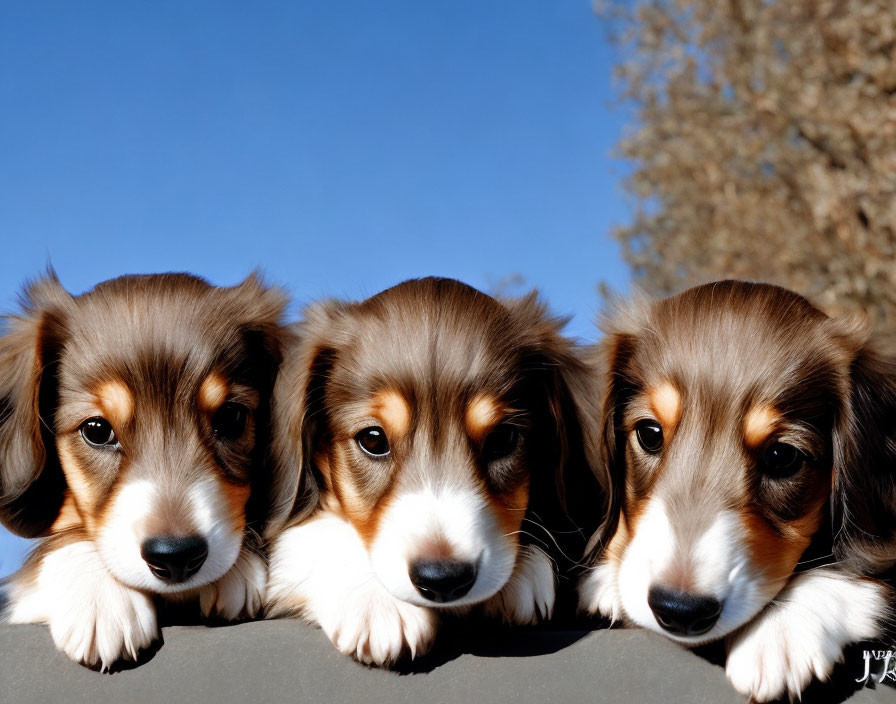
x=373, y=441
x=781, y=460
x=499, y=443
x=97, y=432
x=650, y=436
x=229, y=421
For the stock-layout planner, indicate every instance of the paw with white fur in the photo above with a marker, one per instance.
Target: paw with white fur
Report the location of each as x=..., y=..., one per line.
x=802, y=633
x=599, y=592
x=321, y=570
x=376, y=628
x=528, y=596
x=93, y=618
x=239, y=593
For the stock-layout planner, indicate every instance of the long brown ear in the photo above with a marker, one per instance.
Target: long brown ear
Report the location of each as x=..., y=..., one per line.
x=611, y=361
x=257, y=305
x=570, y=485
x=256, y=310
x=31, y=480
x=864, y=494
x=298, y=418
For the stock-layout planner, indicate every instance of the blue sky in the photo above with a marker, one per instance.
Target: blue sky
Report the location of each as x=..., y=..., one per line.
x=339, y=146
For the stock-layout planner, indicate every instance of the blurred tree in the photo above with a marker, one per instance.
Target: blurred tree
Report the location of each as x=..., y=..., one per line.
x=764, y=146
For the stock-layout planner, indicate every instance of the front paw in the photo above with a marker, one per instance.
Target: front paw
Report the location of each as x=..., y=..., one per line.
x=802, y=633
x=770, y=659
x=376, y=628
x=117, y=625
x=599, y=592
x=528, y=596
x=93, y=618
x=321, y=570
x=239, y=593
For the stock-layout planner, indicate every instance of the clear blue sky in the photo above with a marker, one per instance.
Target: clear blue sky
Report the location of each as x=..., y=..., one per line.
x=339, y=146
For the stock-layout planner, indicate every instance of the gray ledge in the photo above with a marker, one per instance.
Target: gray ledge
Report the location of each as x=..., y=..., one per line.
x=289, y=661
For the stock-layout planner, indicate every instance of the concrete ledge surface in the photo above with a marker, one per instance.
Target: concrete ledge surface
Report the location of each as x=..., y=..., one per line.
x=289, y=661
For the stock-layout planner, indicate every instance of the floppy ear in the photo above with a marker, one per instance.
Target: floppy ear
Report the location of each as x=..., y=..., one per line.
x=257, y=311
x=298, y=415
x=570, y=485
x=864, y=492
x=611, y=361
x=31, y=481
x=256, y=305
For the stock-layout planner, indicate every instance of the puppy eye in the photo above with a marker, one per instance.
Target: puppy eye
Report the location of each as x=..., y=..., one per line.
x=499, y=443
x=229, y=420
x=373, y=441
x=97, y=432
x=781, y=460
x=650, y=436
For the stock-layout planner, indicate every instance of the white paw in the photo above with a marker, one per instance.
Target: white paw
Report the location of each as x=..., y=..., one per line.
x=376, y=628
x=802, y=633
x=93, y=618
x=239, y=593
x=321, y=570
x=116, y=625
x=599, y=592
x=528, y=595
x=767, y=661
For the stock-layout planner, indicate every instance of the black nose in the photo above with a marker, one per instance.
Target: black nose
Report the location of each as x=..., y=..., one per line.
x=681, y=613
x=174, y=558
x=442, y=580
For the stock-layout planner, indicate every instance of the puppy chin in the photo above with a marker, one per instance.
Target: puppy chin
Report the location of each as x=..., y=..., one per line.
x=121, y=555
x=462, y=521
x=742, y=600
x=494, y=572
x=119, y=542
x=720, y=570
x=689, y=641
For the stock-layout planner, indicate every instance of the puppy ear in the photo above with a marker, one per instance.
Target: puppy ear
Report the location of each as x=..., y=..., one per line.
x=864, y=491
x=298, y=416
x=31, y=481
x=257, y=304
x=569, y=499
x=256, y=309
x=611, y=361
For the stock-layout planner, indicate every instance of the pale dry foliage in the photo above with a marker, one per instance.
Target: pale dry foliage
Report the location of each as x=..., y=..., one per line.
x=764, y=146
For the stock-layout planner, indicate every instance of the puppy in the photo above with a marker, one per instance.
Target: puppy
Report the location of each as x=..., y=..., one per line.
x=742, y=426
x=433, y=439
x=133, y=422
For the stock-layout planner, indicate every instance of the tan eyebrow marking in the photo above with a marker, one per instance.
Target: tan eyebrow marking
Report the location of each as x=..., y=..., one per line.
x=392, y=408
x=213, y=392
x=759, y=424
x=116, y=401
x=483, y=412
x=666, y=404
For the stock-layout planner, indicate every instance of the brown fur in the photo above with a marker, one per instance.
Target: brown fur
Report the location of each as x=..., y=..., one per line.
x=139, y=351
x=459, y=361
x=753, y=364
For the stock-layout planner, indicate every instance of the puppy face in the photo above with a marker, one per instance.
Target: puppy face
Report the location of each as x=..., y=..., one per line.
x=728, y=409
x=154, y=388
x=427, y=416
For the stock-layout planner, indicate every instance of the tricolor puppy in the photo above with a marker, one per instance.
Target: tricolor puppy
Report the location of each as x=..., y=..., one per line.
x=132, y=432
x=436, y=433
x=742, y=426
